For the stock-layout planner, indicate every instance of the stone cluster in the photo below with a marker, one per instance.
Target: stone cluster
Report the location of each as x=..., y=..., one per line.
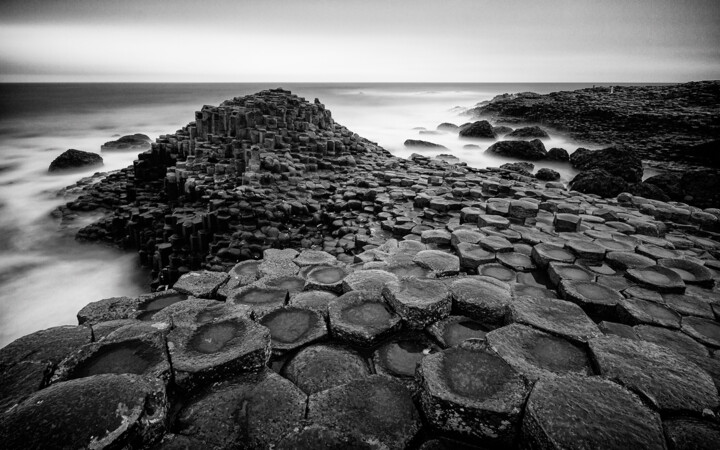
x=390, y=304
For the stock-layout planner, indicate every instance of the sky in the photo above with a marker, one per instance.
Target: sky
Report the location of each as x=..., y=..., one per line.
x=360, y=41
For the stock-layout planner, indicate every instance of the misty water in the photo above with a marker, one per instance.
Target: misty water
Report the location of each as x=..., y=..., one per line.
x=46, y=276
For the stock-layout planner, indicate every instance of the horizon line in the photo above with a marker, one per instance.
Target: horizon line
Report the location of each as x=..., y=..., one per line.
x=361, y=82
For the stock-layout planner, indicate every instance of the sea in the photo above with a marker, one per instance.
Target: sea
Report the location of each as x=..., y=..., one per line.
x=46, y=276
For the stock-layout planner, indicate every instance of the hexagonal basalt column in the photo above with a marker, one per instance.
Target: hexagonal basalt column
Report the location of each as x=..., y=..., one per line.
x=668, y=381
x=484, y=299
x=598, y=302
x=686, y=433
x=400, y=356
x=537, y=354
x=102, y=411
x=443, y=264
x=543, y=254
x=627, y=260
x=258, y=298
x=367, y=280
x=320, y=367
x=516, y=261
x=203, y=284
x=586, y=250
x=314, y=258
x=588, y=412
x=107, y=309
x=419, y=302
x=499, y=272
x=315, y=300
x=292, y=327
x=245, y=272
x=557, y=317
x=472, y=395
x=471, y=255
x=690, y=272
x=217, y=350
x=151, y=304
x=252, y=411
x=657, y=278
x=377, y=411
x=704, y=330
x=562, y=271
x=454, y=330
x=634, y=311
x=326, y=278
x=362, y=318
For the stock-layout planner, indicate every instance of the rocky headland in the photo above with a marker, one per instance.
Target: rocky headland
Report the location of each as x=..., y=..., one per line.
x=314, y=291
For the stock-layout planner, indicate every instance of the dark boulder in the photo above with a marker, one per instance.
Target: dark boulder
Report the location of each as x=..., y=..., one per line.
x=75, y=159
x=558, y=154
x=669, y=183
x=618, y=161
x=447, y=126
x=599, y=182
x=648, y=190
x=697, y=187
x=529, y=133
x=546, y=174
x=137, y=141
x=502, y=130
x=524, y=168
x=425, y=144
x=532, y=150
x=480, y=129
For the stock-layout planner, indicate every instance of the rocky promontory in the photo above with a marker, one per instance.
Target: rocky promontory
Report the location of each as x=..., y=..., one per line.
x=314, y=291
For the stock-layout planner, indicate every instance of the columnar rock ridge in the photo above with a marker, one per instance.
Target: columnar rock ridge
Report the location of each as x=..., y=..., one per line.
x=325, y=293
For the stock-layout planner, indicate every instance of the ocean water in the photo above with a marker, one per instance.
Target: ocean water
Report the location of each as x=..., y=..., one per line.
x=46, y=276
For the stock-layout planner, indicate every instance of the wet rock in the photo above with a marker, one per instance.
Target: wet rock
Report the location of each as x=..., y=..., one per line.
x=618, y=161
x=314, y=300
x=251, y=411
x=516, y=261
x=102, y=411
x=292, y=327
x=558, y=272
x=51, y=345
x=362, y=318
x=328, y=278
x=557, y=317
x=314, y=258
x=666, y=380
x=472, y=395
x=529, y=133
x=378, y=410
x=537, y=354
x=138, y=355
x=440, y=237
x=686, y=433
x=454, y=330
x=586, y=250
x=558, y=154
x=422, y=144
x=202, y=284
x=245, y=272
x=471, y=255
x=419, y=302
x=136, y=142
x=482, y=298
x=618, y=329
x=657, y=278
x=480, y=129
x=588, y=412
x=598, y=182
x=690, y=272
x=598, y=302
x=704, y=330
x=259, y=299
x=108, y=309
x=278, y=263
x=320, y=367
x=637, y=311
x=400, y=356
x=681, y=343
x=546, y=174
x=203, y=353
x=498, y=271
x=75, y=159
x=530, y=150
x=688, y=305
x=443, y=264
x=543, y=254
x=21, y=380
x=367, y=280
x=627, y=260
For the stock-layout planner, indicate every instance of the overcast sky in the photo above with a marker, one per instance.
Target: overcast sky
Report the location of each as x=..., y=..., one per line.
x=364, y=40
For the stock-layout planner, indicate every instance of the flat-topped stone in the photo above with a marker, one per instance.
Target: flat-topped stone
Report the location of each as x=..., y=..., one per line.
x=558, y=317
x=543, y=254
x=362, y=318
x=439, y=237
x=690, y=272
x=327, y=278
x=454, y=330
x=400, y=356
x=418, y=301
x=367, y=280
x=688, y=433
x=680, y=343
x=657, y=278
x=496, y=244
x=468, y=236
x=203, y=284
x=635, y=311
x=377, y=410
x=498, y=271
x=101, y=411
x=472, y=255
x=442, y=263
x=493, y=220
x=204, y=353
x=704, y=330
x=320, y=367
x=656, y=252
x=618, y=329
x=314, y=258
x=628, y=260
x=611, y=245
x=252, y=411
x=664, y=379
x=588, y=412
x=537, y=354
x=292, y=327
x=113, y=308
x=150, y=304
x=314, y=300
x=516, y=261
x=566, y=222
x=51, y=345
x=598, y=302
x=258, y=298
x=473, y=395
x=245, y=272
x=688, y=305
x=586, y=250
x=482, y=298
x=527, y=290
x=558, y=272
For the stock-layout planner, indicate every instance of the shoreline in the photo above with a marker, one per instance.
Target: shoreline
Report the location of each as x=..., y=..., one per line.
x=350, y=238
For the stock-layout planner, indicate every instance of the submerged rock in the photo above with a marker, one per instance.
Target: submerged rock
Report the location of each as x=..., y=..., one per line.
x=480, y=129
x=135, y=142
x=75, y=159
x=532, y=150
x=529, y=133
